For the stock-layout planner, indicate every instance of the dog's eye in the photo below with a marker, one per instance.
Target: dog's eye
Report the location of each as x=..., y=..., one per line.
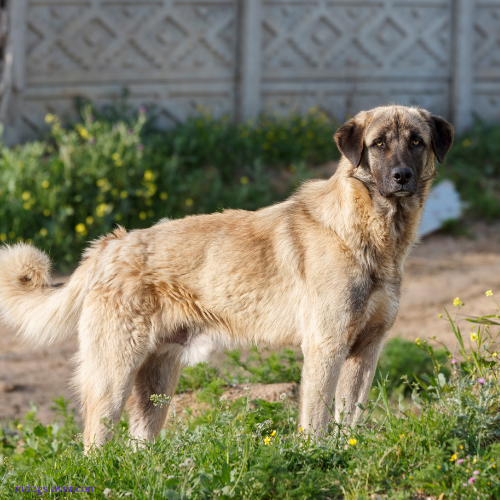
x=416, y=142
x=379, y=143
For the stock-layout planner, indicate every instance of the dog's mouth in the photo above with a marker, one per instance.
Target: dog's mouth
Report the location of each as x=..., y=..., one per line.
x=403, y=193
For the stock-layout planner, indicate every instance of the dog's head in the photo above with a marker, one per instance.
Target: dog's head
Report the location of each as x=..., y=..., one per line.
x=393, y=147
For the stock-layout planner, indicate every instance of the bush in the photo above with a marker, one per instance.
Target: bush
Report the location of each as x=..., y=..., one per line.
x=473, y=164
x=83, y=180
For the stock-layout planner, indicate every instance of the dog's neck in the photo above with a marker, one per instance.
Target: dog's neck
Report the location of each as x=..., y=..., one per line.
x=379, y=231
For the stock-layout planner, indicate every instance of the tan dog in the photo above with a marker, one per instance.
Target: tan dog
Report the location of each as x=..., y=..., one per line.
x=321, y=271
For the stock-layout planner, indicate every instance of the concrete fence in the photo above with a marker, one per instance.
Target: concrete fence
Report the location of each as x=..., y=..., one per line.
x=243, y=57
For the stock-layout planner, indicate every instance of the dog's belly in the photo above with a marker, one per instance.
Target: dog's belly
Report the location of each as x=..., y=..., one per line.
x=197, y=349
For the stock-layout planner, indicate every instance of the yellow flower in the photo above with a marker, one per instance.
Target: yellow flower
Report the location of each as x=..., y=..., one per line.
x=453, y=457
x=410, y=477
x=49, y=118
x=438, y=466
x=457, y=302
x=244, y=180
x=118, y=217
x=267, y=440
x=440, y=316
x=89, y=220
x=101, y=209
x=495, y=354
x=118, y=163
x=80, y=228
x=84, y=133
x=142, y=215
x=19, y=426
x=123, y=194
x=3, y=237
x=353, y=441
x=466, y=143
x=26, y=205
x=115, y=156
x=148, y=175
x=45, y=184
x=26, y=195
x=273, y=433
x=163, y=196
x=101, y=182
x=401, y=436
x=461, y=447
x=46, y=212
x=43, y=232
x=12, y=235
x=301, y=429
x=189, y=202
x=417, y=341
x=473, y=337
x=489, y=293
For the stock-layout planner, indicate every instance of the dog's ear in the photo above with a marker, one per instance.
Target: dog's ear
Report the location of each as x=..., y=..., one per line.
x=442, y=136
x=349, y=139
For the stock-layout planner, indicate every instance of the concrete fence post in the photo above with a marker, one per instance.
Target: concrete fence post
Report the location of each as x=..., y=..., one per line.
x=250, y=64
x=463, y=64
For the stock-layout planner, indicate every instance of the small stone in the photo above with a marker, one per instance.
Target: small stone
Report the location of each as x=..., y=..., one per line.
x=4, y=387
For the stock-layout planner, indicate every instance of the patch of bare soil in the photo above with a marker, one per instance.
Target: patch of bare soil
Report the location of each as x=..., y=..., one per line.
x=440, y=269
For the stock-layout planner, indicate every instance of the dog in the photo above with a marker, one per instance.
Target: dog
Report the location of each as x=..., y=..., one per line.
x=321, y=271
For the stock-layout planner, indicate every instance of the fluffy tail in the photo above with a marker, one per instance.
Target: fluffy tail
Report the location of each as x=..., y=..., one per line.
x=29, y=302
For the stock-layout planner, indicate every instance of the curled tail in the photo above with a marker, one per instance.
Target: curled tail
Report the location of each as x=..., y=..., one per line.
x=29, y=302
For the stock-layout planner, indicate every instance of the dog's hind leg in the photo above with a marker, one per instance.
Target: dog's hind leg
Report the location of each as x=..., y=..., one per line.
x=159, y=374
x=110, y=354
x=357, y=373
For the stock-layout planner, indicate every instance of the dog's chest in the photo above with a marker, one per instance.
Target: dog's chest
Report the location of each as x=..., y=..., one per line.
x=374, y=299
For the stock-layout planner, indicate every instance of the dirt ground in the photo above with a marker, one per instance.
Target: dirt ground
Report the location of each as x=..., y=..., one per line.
x=441, y=268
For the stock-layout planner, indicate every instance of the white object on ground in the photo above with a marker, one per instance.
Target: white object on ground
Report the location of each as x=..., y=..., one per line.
x=442, y=204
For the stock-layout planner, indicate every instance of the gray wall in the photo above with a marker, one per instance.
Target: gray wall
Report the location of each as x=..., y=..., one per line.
x=243, y=57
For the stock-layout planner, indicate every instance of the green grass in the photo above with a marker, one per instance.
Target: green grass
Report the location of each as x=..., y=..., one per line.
x=433, y=445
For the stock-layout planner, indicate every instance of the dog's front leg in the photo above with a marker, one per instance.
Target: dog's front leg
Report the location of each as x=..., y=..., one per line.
x=320, y=374
x=357, y=373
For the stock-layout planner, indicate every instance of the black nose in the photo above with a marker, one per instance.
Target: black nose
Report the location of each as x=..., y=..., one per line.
x=402, y=175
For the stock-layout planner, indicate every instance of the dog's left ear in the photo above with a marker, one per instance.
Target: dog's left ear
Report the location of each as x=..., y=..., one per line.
x=442, y=136
x=349, y=139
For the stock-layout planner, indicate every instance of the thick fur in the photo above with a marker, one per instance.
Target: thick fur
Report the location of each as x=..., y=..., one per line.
x=321, y=271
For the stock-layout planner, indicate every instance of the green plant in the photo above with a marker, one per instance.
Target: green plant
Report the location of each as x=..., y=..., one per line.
x=402, y=359
x=61, y=192
x=473, y=164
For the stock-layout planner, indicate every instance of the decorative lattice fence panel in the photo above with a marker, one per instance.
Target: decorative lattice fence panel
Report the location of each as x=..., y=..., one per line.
x=241, y=57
